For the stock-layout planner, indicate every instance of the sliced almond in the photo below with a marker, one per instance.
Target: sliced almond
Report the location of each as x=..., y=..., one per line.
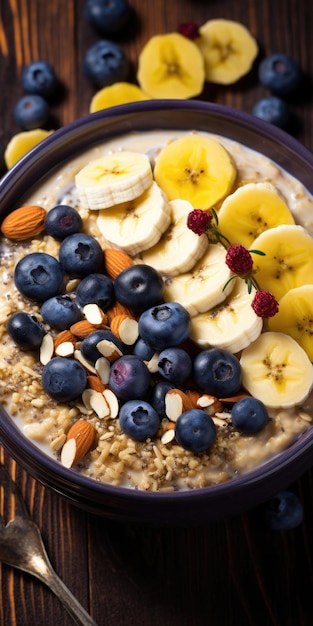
x=168, y=436
x=79, y=440
x=79, y=357
x=94, y=314
x=176, y=402
x=97, y=402
x=46, y=349
x=102, y=368
x=64, y=335
x=95, y=383
x=65, y=349
x=109, y=350
x=210, y=404
x=153, y=364
x=82, y=329
x=118, y=309
x=125, y=328
x=112, y=402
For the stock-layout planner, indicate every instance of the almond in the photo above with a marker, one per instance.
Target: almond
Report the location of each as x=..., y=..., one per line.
x=82, y=329
x=118, y=309
x=176, y=402
x=125, y=328
x=210, y=404
x=79, y=440
x=94, y=382
x=116, y=261
x=23, y=223
x=64, y=335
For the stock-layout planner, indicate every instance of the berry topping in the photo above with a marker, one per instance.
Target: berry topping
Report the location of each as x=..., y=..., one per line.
x=25, y=330
x=239, y=259
x=39, y=78
x=107, y=18
x=63, y=220
x=199, y=221
x=284, y=511
x=31, y=111
x=139, y=420
x=38, y=276
x=189, y=30
x=272, y=109
x=279, y=73
x=249, y=415
x=195, y=430
x=105, y=63
x=64, y=379
x=264, y=304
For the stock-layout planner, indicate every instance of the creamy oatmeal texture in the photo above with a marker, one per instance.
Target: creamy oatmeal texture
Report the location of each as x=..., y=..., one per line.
x=115, y=458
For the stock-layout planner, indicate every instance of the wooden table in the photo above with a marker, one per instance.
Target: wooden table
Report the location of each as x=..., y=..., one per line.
x=234, y=572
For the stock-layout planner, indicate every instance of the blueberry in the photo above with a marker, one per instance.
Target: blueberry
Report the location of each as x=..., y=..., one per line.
x=31, y=111
x=63, y=220
x=143, y=350
x=139, y=420
x=107, y=17
x=175, y=365
x=89, y=348
x=217, y=372
x=279, y=73
x=25, y=331
x=273, y=110
x=249, y=415
x=129, y=378
x=64, y=379
x=38, y=276
x=80, y=255
x=60, y=312
x=105, y=63
x=284, y=511
x=39, y=78
x=164, y=325
x=139, y=287
x=195, y=430
x=97, y=289
x=157, y=398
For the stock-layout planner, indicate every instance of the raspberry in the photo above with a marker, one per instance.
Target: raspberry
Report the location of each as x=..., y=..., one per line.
x=198, y=221
x=264, y=304
x=239, y=259
x=189, y=30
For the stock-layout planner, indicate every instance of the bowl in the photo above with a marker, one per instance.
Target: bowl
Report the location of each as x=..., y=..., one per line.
x=197, y=505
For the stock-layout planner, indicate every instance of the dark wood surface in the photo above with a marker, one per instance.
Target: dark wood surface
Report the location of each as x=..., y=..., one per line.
x=228, y=573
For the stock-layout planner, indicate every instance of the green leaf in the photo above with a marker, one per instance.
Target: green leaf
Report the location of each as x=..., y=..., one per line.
x=257, y=252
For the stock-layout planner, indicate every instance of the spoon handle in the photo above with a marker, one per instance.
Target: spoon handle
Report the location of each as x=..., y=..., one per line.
x=69, y=601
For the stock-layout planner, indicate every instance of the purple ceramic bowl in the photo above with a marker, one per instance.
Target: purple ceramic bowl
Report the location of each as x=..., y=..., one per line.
x=198, y=505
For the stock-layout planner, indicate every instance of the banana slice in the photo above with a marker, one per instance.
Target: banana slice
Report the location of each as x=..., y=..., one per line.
x=171, y=66
x=202, y=288
x=115, y=178
x=231, y=325
x=21, y=143
x=228, y=49
x=113, y=95
x=179, y=248
x=276, y=370
x=136, y=225
x=195, y=168
x=288, y=260
x=252, y=209
x=295, y=317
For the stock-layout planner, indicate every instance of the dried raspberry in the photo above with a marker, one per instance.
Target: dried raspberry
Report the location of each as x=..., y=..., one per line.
x=264, y=304
x=239, y=259
x=189, y=30
x=198, y=221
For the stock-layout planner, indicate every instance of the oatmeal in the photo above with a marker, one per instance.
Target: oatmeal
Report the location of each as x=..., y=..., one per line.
x=157, y=463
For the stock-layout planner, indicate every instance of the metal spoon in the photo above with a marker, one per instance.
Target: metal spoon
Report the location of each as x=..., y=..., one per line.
x=21, y=546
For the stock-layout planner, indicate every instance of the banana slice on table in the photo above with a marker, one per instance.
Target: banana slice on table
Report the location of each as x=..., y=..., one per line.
x=252, y=209
x=113, y=95
x=179, y=248
x=228, y=49
x=112, y=179
x=138, y=224
x=202, y=288
x=288, y=260
x=295, y=317
x=231, y=325
x=276, y=370
x=195, y=168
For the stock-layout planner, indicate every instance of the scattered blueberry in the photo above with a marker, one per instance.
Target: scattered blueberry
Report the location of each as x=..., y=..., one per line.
x=97, y=289
x=62, y=221
x=249, y=415
x=80, y=255
x=217, y=372
x=60, y=312
x=195, y=430
x=284, y=511
x=143, y=350
x=279, y=73
x=157, y=398
x=25, y=331
x=139, y=287
x=31, y=111
x=175, y=365
x=107, y=17
x=129, y=378
x=38, y=276
x=64, y=379
x=105, y=63
x=89, y=348
x=164, y=325
x=39, y=78
x=272, y=109
x=139, y=420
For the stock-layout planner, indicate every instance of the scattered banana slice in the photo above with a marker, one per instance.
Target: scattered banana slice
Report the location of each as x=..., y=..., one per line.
x=112, y=179
x=136, y=225
x=179, y=248
x=113, y=95
x=195, y=168
x=252, y=209
x=228, y=49
x=171, y=66
x=21, y=143
x=231, y=325
x=288, y=260
x=295, y=317
x=202, y=288
x=276, y=370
